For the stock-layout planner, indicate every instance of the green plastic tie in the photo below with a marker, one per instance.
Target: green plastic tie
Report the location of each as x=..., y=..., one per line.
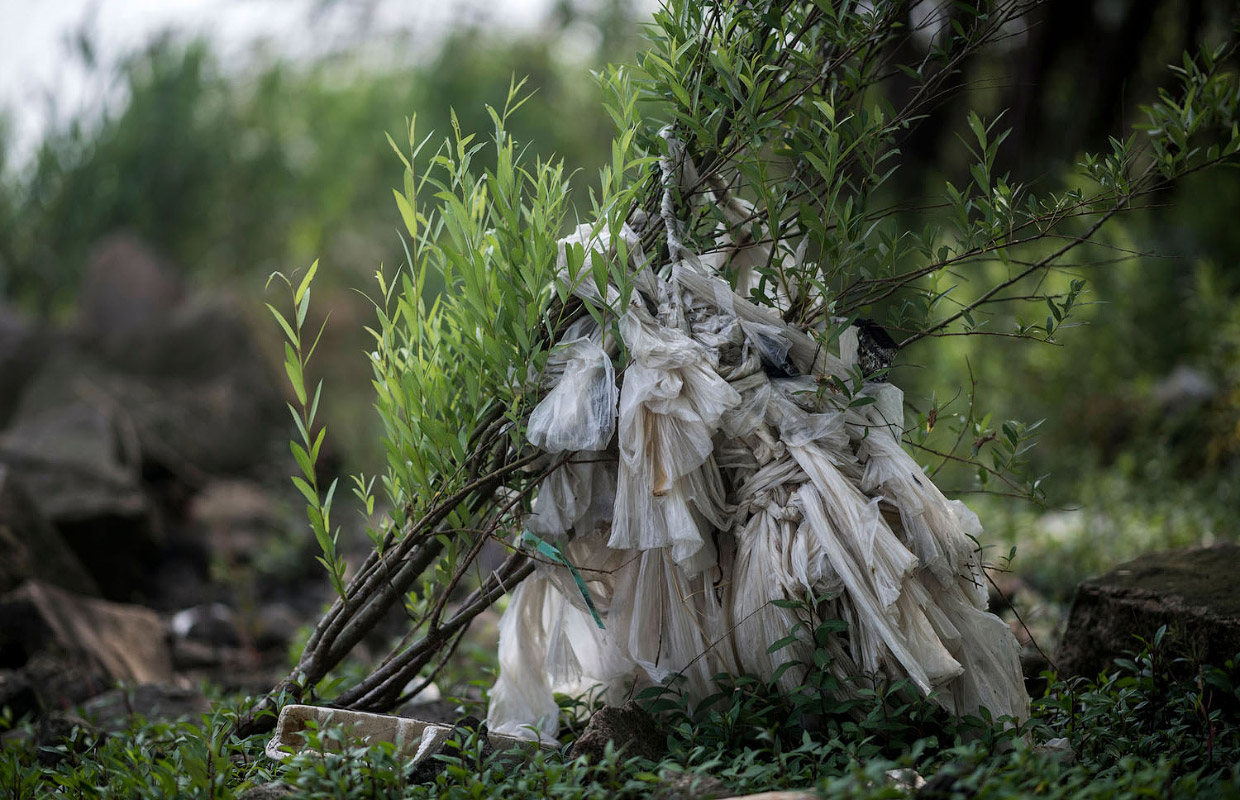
x=552, y=552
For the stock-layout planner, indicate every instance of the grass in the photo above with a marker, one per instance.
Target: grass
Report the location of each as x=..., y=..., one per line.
x=1155, y=726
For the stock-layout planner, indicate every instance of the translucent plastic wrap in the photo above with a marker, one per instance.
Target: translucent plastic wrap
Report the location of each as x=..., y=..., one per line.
x=675, y=627
x=580, y=412
x=671, y=405
x=710, y=476
x=522, y=703
x=931, y=526
x=548, y=645
x=579, y=496
x=773, y=563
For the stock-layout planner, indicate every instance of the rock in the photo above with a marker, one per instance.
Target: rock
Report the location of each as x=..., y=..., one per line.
x=32, y=548
x=181, y=576
x=689, y=786
x=188, y=654
x=629, y=728
x=23, y=347
x=242, y=521
x=17, y=694
x=426, y=767
x=61, y=735
x=1191, y=591
x=208, y=644
x=58, y=681
x=154, y=702
x=71, y=647
x=127, y=295
x=220, y=412
x=181, y=371
x=1060, y=749
x=212, y=624
x=198, y=392
x=276, y=625
x=267, y=791
x=905, y=779
x=72, y=456
x=114, y=458
x=83, y=473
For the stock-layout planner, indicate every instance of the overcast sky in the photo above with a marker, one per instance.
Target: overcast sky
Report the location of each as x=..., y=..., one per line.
x=37, y=66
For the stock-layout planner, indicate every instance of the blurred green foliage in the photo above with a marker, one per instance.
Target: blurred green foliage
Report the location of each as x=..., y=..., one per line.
x=236, y=175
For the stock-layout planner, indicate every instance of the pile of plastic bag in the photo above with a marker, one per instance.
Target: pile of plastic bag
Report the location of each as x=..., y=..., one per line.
x=716, y=475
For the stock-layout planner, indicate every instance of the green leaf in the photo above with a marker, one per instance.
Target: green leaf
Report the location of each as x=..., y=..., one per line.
x=318, y=442
x=293, y=368
x=397, y=151
x=306, y=491
x=305, y=282
x=302, y=307
x=406, y=213
x=288, y=329
x=780, y=644
x=314, y=406
x=327, y=498
x=303, y=459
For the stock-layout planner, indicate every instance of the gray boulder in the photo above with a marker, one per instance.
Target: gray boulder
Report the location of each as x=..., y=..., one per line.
x=629, y=729
x=32, y=547
x=1191, y=591
x=80, y=468
x=67, y=647
x=23, y=346
x=127, y=297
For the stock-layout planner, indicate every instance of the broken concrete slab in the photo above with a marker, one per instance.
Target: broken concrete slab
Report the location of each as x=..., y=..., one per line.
x=412, y=737
x=415, y=739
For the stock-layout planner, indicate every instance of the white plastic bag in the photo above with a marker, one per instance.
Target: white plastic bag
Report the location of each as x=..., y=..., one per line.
x=578, y=497
x=734, y=484
x=522, y=703
x=580, y=412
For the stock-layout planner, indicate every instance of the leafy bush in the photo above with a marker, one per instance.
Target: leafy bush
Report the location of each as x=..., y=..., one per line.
x=787, y=116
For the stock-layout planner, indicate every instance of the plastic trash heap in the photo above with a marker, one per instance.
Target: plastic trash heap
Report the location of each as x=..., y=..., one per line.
x=718, y=472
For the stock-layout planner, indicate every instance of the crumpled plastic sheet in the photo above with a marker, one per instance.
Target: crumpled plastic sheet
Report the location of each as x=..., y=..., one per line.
x=580, y=412
x=709, y=481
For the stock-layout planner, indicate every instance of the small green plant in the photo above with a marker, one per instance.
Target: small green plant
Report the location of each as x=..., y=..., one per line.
x=1156, y=723
x=1153, y=705
x=297, y=354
